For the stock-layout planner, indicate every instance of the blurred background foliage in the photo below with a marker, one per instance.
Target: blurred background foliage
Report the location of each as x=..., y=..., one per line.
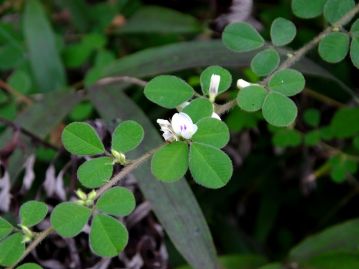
x=289, y=183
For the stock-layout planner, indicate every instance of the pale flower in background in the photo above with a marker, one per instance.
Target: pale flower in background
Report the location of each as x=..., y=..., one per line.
x=213, y=87
x=180, y=127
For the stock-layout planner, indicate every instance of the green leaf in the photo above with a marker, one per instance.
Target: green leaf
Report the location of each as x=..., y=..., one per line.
x=174, y=204
x=354, y=52
x=170, y=163
x=265, y=62
x=333, y=260
x=311, y=117
x=328, y=241
x=20, y=81
x=308, y=9
x=312, y=138
x=168, y=91
x=127, y=136
x=45, y=60
x=5, y=228
x=242, y=37
x=282, y=31
x=155, y=19
x=29, y=266
x=287, y=138
x=279, y=110
x=198, y=109
x=225, y=82
x=288, y=82
x=81, y=139
x=117, y=201
x=108, y=236
x=344, y=124
x=11, y=249
x=334, y=10
x=69, y=218
x=212, y=132
x=341, y=167
x=354, y=29
x=251, y=98
x=209, y=166
x=96, y=172
x=32, y=213
x=334, y=47
x=81, y=112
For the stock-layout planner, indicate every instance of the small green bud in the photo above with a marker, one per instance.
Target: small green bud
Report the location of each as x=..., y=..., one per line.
x=28, y=234
x=80, y=194
x=91, y=195
x=119, y=157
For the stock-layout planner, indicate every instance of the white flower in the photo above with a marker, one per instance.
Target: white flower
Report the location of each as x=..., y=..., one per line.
x=241, y=83
x=215, y=116
x=180, y=127
x=213, y=87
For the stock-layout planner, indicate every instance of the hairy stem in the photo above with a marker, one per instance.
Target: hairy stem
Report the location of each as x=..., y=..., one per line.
x=298, y=54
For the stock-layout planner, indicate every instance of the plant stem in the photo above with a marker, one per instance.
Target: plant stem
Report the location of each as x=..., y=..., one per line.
x=41, y=236
x=298, y=54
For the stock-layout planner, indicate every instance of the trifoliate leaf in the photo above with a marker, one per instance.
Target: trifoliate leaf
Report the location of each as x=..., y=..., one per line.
x=108, y=236
x=96, y=172
x=117, y=201
x=198, y=109
x=279, y=110
x=251, y=98
x=242, y=37
x=212, y=132
x=168, y=91
x=127, y=136
x=209, y=166
x=334, y=10
x=170, y=163
x=334, y=47
x=265, y=62
x=11, y=249
x=282, y=32
x=81, y=139
x=308, y=9
x=288, y=82
x=225, y=82
x=32, y=213
x=69, y=218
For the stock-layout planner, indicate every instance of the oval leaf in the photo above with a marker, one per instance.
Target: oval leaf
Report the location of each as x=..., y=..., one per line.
x=265, y=62
x=209, y=166
x=32, y=213
x=242, y=37
x=108, y=237
x=279, y=110
x=212, y=132
x=29, y=266
x=198, y=109
x=334, y=10
x=170, y=163
x=81, y=139
x=334, y=47
x=225, y=82
x=96, y=172
x=251, y=98
x=308, y=9
x=288, y=82
x=127, y=136
x=282, y=32
x=168, y=91
x=117, y=201
x=68, y=218
x=354, y=52
x=5, y=228
x=11, y=249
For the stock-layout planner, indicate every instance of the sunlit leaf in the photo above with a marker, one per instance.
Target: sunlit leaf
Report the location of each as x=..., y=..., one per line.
x=95, y=172
x=265, y=62
x=212, y=132
x=334, y=47
x=127, y=136
x=251, y=98
x=32, y=213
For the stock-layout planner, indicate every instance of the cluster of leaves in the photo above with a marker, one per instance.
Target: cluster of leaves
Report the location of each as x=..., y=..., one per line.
x=209, y=166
